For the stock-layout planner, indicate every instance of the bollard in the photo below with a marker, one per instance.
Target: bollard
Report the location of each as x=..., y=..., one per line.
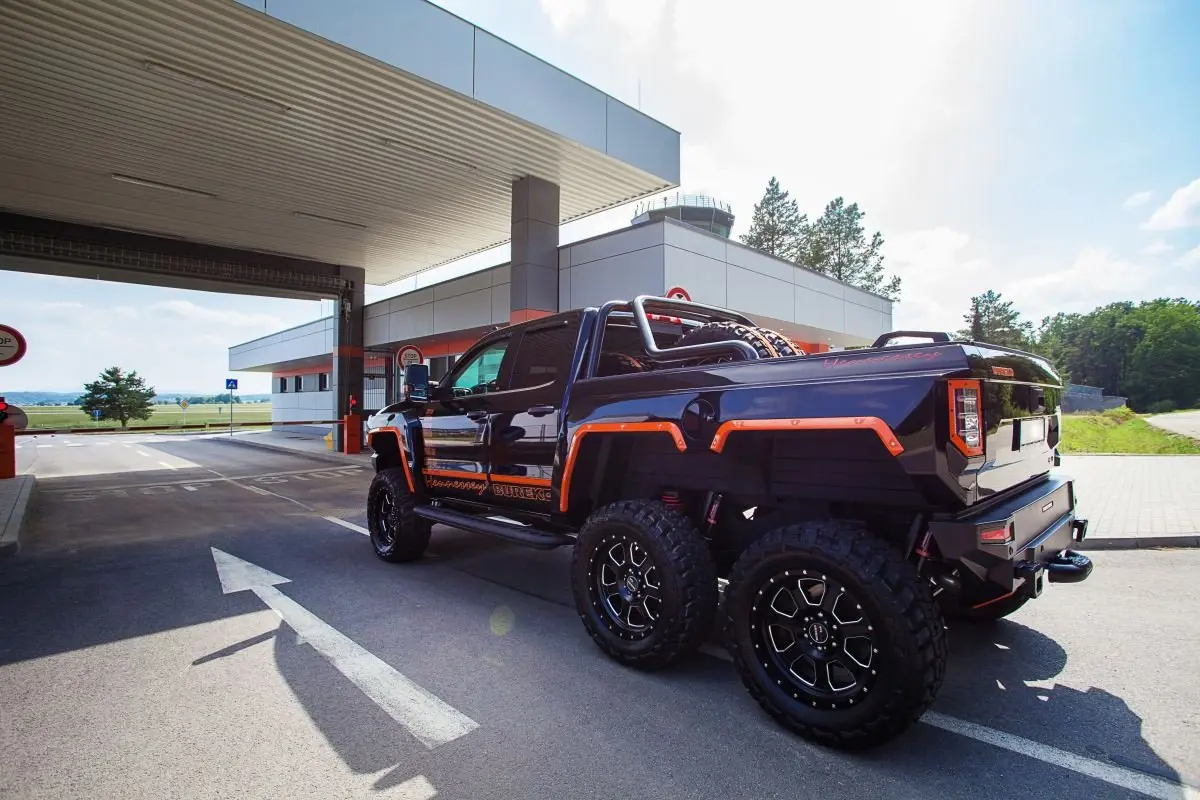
x=8, y=451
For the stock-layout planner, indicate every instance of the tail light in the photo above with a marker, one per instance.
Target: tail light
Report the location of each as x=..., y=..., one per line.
x=1002, y=534
x=966, y=430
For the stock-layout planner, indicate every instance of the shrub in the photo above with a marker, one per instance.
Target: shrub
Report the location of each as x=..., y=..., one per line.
x=1120, y=414
x=1162, y=407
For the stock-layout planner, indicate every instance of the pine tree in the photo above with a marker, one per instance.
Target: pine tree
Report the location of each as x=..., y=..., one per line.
x=994, y=321
x=777, y=226
x=118, y=395
x=836, y=245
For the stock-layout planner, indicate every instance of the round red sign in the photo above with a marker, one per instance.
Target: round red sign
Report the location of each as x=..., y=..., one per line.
x=678, y=293
x=12, y=345
x=409, y=354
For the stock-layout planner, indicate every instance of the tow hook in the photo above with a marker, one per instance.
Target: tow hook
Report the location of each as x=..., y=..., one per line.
x=1079, y=529
x=1069, y=567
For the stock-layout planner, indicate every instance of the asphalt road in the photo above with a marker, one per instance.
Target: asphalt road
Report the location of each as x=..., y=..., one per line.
x=1183, y=422
x=125, y=671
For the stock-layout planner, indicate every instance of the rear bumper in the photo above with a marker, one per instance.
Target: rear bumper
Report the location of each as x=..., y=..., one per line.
x=1038, y=526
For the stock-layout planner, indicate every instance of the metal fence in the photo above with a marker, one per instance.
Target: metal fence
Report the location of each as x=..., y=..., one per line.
x=378, y=383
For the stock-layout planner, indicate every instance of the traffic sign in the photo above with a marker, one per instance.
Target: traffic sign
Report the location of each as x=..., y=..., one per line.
x=678, y=293
x=231, y=383
x=408, y=355
x=12, y=345
x=183, y=403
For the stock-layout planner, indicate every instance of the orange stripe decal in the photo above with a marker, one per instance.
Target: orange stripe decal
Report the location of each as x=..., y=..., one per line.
x=881, y=428
x=611, y=427
x=458, y=474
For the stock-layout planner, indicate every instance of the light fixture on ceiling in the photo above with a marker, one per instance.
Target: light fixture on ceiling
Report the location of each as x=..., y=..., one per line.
x=166, y=187
x=332, y=220
x=401, y=145
x=201, y=82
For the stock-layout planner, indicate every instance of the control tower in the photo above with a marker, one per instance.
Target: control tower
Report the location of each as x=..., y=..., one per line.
x=698, y=210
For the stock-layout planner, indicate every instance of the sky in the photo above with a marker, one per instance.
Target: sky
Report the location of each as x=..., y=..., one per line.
x=1047, y=151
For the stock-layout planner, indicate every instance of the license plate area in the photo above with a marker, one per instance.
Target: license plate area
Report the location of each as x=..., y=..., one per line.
x=1030, y=431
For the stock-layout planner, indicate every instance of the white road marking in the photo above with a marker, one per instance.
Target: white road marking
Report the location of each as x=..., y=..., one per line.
x=418, y=788
x=41, y=446
x=349, y=525
x=126, y=445
x=143, y=453
x=165, y=464
x=431, y=720
x=74, y=444
x=254, y=489
x=1109, y=773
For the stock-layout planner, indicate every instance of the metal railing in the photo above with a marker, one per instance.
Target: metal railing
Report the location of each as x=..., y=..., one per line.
x=680, y=199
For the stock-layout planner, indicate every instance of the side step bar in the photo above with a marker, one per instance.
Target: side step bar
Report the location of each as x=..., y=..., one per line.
x=521, y=534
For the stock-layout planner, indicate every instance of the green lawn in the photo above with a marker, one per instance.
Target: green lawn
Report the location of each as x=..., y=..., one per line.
x=73, y=417
x=1120, y=431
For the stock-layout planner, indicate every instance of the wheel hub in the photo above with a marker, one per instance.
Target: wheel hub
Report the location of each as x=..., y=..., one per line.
x=814, y=639
x=625, y=587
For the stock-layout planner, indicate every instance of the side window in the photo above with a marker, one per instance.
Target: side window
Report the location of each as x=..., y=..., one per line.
x=544, y=356
x=482, y=373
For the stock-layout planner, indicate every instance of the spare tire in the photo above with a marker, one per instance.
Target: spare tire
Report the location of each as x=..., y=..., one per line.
x=767, y=343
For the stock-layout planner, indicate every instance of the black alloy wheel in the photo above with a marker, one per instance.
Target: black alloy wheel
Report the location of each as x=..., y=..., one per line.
x=834, y=633
x=397, y=533
x=644, y=583
x=817, y=638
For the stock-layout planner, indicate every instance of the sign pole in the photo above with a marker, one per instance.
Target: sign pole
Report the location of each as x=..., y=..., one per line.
x=231, y=387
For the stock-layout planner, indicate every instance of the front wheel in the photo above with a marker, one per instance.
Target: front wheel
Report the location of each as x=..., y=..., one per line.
x=644, y=583
x=397, y=533
x=834, y=633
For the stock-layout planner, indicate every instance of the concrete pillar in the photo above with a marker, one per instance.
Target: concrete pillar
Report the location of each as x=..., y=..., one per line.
x=535, y=215
x=346, y=378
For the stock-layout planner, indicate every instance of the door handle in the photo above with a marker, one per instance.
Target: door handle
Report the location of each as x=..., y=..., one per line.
x=541, y=411
x=477, y=416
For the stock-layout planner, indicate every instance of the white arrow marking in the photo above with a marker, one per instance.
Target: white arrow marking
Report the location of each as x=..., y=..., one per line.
x=432, y=721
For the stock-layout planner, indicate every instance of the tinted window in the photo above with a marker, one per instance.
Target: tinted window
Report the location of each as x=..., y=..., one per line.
x=544, y=356
x=481, y=374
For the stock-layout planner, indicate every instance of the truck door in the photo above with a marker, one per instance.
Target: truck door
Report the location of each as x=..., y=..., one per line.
x=456, y=426
x=525, y=418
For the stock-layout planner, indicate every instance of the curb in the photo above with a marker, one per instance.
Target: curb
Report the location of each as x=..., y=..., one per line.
x=328, y=457
x=1140, y=543
x=10, y=535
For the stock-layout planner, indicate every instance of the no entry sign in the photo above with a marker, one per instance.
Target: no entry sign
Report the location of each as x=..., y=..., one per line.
x=12, y=345
x=678, y=293
x=408, y=355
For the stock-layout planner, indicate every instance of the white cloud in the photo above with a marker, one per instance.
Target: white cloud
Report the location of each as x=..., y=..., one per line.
x=1190, y=258
x=1157, y=248
x=564, y=14
x=1137, y=199
x=1182, y=210
x=218, y=318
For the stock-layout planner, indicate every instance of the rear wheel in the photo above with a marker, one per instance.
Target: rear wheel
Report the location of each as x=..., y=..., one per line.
x=834, y=633
x=644, y=583
x=397, y=533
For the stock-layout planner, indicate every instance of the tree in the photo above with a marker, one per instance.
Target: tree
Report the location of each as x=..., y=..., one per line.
x=836, y=245
x=995, y=321
x=777, y=226
x=118, y=395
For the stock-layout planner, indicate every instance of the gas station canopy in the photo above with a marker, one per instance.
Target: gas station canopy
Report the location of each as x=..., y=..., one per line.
x=385, y=136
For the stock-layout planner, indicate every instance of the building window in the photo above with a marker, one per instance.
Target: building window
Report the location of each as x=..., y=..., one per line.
x=298, y=383
x=281, y=388
x=323, y=382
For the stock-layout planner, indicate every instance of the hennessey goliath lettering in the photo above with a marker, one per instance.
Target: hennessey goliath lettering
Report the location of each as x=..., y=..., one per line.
x=850, y=500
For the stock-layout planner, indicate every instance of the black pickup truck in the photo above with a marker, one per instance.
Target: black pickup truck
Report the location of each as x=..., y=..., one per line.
x=845, y=503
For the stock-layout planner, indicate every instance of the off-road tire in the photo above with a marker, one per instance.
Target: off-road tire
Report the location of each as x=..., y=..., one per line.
x=960, y=608
x=765, y=342
x=686, y=576
x=782, y=344
x=908, y=638
x=411, y=532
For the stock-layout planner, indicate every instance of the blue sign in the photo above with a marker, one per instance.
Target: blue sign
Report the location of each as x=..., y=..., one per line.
x=231, y=383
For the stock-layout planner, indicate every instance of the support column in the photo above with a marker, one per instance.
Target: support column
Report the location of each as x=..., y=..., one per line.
x=346, y=377
x=535, y=215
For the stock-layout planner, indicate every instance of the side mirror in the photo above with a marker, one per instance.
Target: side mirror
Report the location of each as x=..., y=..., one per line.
x=416, y=382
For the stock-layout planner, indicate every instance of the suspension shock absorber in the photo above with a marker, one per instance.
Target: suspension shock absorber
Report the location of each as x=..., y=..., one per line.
x=672, y=500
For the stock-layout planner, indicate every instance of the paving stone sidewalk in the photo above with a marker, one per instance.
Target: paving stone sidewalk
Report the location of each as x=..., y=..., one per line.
x=1152, y=499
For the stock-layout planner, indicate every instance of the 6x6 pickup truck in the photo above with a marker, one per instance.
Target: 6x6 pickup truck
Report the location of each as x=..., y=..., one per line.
x=846, y=503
